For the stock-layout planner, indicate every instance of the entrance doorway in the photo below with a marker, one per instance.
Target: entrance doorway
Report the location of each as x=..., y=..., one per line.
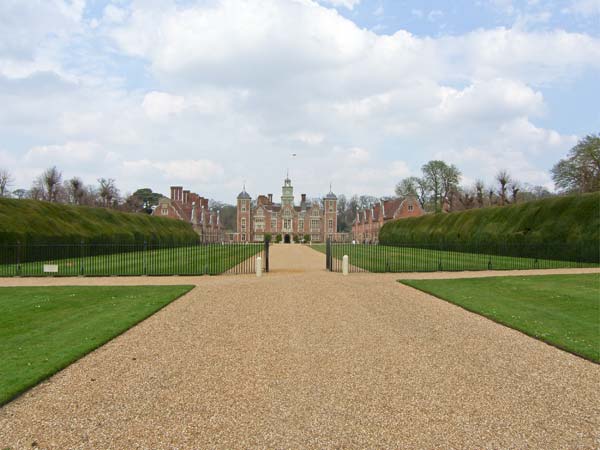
x=286, y=239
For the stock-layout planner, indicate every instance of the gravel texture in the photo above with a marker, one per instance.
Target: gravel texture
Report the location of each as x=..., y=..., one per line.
x=302, y=358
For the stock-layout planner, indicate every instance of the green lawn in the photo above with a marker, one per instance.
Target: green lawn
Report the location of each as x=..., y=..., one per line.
x=44, y=329
x=382, y=258
x=563, y=310
x=210, y=259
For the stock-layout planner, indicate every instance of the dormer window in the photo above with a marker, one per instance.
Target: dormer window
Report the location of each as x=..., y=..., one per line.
x=410, y=208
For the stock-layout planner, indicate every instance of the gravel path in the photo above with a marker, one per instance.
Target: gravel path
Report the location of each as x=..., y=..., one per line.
x=305, y=358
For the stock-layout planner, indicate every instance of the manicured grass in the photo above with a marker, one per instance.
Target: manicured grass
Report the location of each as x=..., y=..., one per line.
x=44, y=329
x=210, y=259
x=563, y=310
x=383, y=258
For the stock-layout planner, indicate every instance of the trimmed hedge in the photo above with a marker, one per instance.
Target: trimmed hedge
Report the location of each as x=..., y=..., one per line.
x=570, y=225
x=33, y=222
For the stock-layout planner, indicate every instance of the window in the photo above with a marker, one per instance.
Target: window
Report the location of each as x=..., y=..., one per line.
x=287, y=224
x=243, y=237
x=165, y=211
x=273, y=224
x=314, y=224
x=243, y=205
x=243, y=224
x=287, y=213
x=410, y=207
x=330, y=206
x=330, y=225
x=259, y=223
x=301, y=224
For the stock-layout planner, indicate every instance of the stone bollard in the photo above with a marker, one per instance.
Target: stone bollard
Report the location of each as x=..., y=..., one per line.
x=258, y=266
x=345, y=265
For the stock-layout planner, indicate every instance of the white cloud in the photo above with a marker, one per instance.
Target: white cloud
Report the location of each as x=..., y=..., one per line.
x=175, y=171
x=114, y=14
x=350, y=4
x=159, y=105
x=216, y=92
x=586, y=8
x=69, y=154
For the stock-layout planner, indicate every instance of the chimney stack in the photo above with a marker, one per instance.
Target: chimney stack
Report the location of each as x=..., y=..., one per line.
x=303, y=198
x=270, y=199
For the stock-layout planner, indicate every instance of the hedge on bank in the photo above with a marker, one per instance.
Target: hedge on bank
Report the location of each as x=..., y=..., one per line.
x=37, y=222
x=566, y=227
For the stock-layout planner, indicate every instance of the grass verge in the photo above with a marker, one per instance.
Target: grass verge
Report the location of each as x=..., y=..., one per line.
x=384, y=258
x=44, y=329
x=562, y=310
x=212, y=259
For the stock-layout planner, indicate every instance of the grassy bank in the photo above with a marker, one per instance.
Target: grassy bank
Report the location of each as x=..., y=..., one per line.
x=571, y=221
x=32, y=221
x=44, y=329
x=562, y=310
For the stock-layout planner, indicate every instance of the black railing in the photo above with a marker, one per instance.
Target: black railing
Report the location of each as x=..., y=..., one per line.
x=453, y=257
x=146, y=258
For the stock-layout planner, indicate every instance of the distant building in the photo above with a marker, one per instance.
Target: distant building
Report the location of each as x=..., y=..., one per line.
x=316, y=219
x=192, y=208
x=368, y=222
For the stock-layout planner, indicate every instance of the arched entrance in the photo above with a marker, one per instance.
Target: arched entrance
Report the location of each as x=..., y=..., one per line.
x=287, y=239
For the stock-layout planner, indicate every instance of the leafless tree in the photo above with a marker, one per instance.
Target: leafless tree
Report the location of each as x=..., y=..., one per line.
x=107, y=191
x=6, y=181
x=50, y=181
x=479, y=187
x=76, y=190
x=504, y=179
x=515, y=188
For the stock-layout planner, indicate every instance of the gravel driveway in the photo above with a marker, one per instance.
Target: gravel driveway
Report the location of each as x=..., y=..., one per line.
x=302, y=358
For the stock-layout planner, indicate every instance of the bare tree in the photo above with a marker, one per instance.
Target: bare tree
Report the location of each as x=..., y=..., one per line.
x=6, y=180
x=504, y=179
x=107, y=191
x=479, y=187
x=76, y=190
x=515, y=188
x=50, y=181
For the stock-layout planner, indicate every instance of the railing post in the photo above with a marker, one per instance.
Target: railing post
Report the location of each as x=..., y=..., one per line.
x=267, y=242
x=18, y=258
x=145, y=258
x=81, y=256
x=328, y=254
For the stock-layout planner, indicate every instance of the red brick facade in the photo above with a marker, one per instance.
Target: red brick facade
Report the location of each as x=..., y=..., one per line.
x=369, y=221
x=316, y=219
x=189, y=206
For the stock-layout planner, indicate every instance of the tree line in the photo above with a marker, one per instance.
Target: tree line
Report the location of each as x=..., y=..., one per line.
x=437, y=189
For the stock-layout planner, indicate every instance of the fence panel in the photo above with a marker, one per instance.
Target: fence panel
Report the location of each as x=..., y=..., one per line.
x=147, y=258
x=453, y=257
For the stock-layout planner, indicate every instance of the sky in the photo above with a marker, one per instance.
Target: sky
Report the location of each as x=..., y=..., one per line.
x=212, y=94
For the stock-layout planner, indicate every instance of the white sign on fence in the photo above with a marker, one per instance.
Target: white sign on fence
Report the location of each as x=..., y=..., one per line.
x=50, y=268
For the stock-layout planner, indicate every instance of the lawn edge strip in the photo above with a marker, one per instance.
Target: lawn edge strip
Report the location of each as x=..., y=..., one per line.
x=49, y=375
x=497, y=321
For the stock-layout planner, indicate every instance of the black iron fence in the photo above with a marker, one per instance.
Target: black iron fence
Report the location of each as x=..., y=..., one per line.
x=455, y=257
x=146, y=258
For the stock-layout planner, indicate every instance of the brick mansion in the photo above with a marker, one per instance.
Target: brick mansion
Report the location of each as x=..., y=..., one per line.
x=317, y=219
x=190, y=207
